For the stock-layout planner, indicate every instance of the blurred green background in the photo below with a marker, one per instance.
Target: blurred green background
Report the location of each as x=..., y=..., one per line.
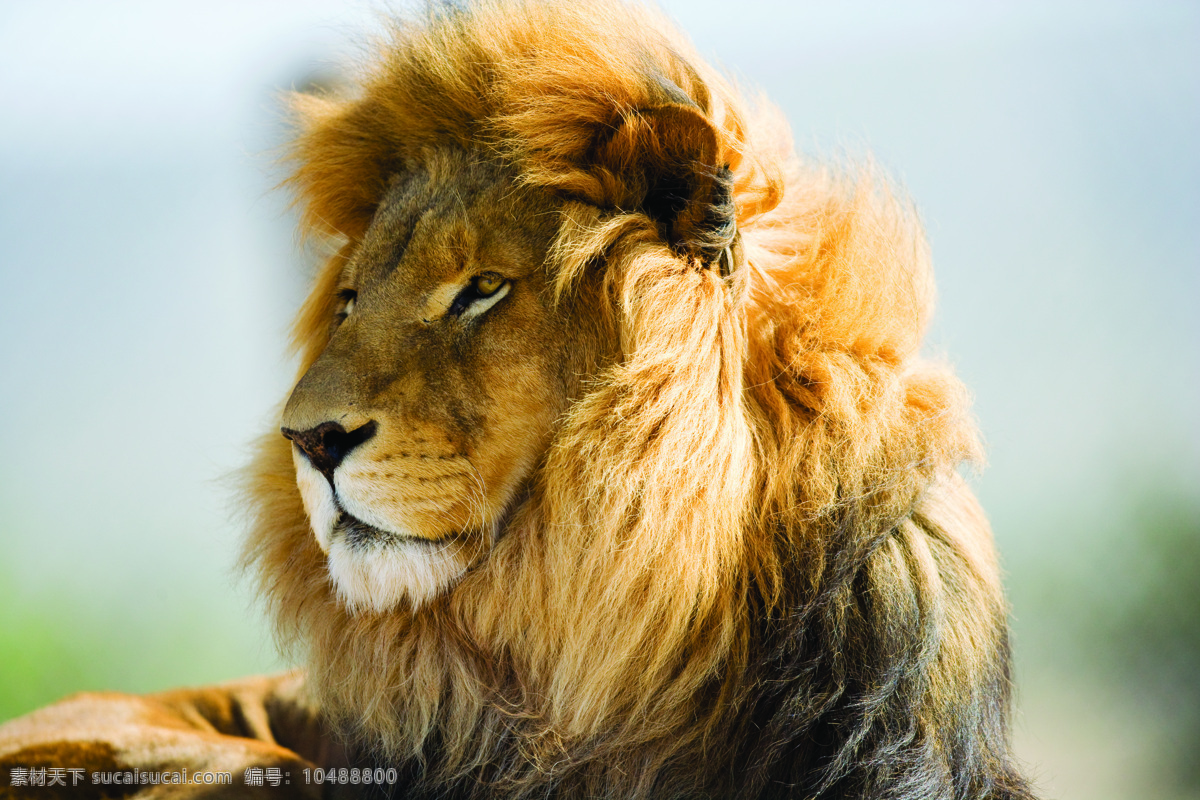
x=149, y=272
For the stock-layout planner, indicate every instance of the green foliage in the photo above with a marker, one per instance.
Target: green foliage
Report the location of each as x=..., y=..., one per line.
x=56, y=643
x=1148, y=631
x=45, y=653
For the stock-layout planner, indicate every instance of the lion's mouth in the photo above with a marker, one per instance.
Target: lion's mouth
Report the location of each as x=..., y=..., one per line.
x=359, y=535
x=378, y=569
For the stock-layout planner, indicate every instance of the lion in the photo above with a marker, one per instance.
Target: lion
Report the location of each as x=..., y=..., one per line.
x=613, y=469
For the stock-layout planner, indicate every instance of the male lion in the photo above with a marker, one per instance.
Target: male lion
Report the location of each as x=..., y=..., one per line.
x=612, y=471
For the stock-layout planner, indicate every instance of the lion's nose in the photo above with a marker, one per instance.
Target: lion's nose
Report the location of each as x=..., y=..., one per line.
x=328, y=443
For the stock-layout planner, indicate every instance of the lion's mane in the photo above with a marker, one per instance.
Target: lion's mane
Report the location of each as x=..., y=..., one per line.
x=746, y=567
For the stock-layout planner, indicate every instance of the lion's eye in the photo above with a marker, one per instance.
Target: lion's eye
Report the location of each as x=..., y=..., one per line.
x=488, y=284
x=483, y=292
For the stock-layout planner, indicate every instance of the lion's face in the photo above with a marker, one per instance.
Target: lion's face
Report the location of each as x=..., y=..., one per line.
x=435, y=397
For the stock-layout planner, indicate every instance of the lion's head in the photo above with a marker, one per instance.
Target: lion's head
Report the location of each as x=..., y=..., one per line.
x=612, y=469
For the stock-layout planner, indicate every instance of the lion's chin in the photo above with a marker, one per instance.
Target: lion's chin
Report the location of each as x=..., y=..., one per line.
x=375, y=569
x=381, y=573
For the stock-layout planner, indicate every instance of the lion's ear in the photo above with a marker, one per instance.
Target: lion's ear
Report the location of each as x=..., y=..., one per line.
x=668, y=159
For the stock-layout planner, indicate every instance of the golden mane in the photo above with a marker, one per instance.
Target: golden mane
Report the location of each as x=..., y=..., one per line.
x=746, y=562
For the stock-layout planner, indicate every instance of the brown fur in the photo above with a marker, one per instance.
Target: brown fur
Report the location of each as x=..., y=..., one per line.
x=253, y=722
x=739, y=561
